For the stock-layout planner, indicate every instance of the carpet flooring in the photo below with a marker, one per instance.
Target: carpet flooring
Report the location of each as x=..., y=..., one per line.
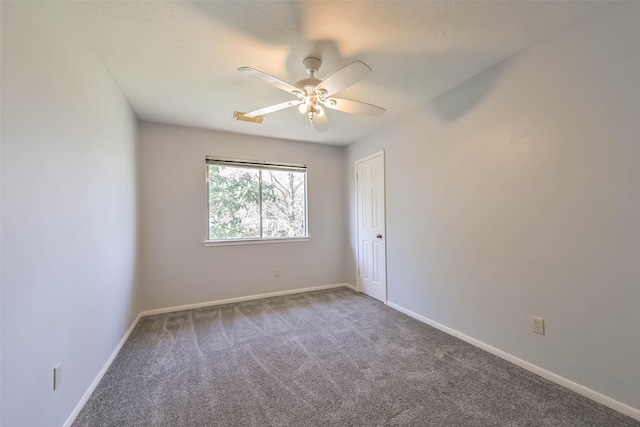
x=327, y=358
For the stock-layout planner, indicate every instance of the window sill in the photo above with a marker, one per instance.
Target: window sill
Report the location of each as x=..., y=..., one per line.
x=255, y=241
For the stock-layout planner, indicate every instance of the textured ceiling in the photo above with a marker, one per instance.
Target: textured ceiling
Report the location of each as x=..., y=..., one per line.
x=176, y=62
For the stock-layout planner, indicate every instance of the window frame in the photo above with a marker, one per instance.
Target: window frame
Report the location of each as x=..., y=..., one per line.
x=261, y=166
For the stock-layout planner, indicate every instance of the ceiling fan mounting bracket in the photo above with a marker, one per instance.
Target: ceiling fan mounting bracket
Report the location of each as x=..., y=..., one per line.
x=312, y=64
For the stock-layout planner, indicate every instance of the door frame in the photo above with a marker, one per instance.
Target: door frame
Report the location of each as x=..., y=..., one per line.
x=384, y=210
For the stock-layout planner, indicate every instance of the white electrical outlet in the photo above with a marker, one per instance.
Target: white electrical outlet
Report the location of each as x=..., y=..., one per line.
x=537, y=324
x=57, y=376
x=276, y=272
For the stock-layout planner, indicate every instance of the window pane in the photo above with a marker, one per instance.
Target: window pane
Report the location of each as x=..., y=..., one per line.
x=283, y=206
x=234, y=203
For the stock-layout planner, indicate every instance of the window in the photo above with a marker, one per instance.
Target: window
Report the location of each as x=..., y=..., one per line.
x=256, y=201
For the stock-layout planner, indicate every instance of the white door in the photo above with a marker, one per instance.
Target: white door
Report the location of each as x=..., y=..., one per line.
x=370, y=203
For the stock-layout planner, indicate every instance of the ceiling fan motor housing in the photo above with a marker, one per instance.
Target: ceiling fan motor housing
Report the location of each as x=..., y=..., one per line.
x=308, y=85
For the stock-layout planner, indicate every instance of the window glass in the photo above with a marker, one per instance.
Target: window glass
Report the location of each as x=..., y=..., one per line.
x=234, y=203
x=255, y=202
x=283, y=201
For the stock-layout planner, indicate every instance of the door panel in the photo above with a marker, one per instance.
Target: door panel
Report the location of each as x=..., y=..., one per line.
x=372, y=278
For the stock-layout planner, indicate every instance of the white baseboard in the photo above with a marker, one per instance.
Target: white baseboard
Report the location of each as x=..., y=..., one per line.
x=98, y=377
x=350, y=286
x=578, y=388
x=239, y=299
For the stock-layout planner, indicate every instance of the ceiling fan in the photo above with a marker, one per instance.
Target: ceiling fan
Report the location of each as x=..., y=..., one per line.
x=313, y=94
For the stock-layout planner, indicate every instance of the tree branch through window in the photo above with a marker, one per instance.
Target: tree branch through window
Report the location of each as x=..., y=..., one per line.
x=241, y=208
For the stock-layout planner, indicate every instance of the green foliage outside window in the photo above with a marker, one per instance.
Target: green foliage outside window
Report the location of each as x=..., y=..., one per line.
x=238, y=209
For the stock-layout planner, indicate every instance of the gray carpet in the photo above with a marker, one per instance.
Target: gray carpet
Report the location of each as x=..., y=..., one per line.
x=328, y=358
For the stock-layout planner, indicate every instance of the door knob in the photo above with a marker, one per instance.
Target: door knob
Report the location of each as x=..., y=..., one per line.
x=379, y=236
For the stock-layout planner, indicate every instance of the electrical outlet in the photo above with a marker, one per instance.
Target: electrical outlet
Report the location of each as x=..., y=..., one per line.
x=57, y=376
x=537, y=324
x=276, y=272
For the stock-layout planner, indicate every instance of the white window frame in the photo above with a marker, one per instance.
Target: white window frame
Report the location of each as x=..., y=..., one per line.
x=260, y=165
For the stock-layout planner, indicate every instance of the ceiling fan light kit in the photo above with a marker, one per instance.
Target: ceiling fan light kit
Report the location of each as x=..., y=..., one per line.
x=313, y=94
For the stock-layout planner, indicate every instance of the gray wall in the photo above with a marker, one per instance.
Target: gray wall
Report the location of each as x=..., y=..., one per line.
x=516, y=194
x=178, y=270
x=69, y=236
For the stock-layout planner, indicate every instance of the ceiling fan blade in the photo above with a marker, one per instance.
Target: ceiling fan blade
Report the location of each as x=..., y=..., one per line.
x=273, y=81
x=320, y=123
x=273, y=108
x=343, y=78
x=354, y=107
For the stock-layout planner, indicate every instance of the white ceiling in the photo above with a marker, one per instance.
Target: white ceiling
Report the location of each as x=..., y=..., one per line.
x=176, y=62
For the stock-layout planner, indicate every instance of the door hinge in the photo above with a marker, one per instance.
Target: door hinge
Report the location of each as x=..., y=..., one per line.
x=357, y=177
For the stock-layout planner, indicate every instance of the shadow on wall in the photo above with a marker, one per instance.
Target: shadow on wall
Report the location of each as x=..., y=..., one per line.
x=454, y=104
